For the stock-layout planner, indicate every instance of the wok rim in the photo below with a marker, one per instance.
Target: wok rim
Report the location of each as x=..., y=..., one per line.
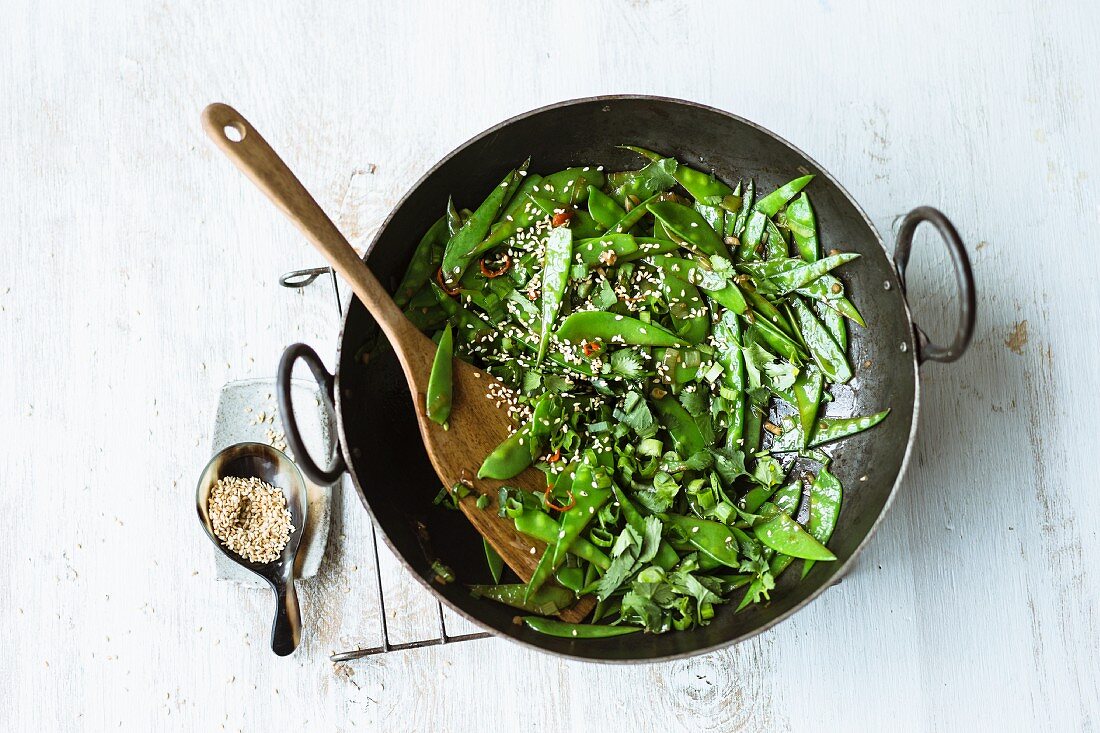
x=845, y=567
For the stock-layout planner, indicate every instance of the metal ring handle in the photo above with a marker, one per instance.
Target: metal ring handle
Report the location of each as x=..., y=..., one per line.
x=964, y=279
x=326, y=382
x=301, y=278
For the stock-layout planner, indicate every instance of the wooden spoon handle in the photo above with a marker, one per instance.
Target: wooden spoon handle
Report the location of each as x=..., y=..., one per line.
x=244, y=145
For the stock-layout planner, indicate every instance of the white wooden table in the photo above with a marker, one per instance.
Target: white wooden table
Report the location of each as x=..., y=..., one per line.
x=140, y=275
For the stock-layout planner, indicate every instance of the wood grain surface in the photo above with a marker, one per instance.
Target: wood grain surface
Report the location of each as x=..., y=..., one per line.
x=140, y=275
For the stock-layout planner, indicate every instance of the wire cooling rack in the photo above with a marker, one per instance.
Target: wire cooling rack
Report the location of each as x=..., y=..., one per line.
x=300, y=279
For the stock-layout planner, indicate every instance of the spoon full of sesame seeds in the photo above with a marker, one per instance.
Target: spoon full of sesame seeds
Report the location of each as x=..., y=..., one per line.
x=475, y=426
x=251, y=500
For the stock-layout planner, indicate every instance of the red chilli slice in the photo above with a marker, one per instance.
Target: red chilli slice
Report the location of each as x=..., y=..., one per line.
x=550, y=501
x=443, y=285
x=490, y=272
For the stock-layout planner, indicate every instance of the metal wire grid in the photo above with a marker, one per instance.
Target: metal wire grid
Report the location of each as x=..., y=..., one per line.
x=300, y=279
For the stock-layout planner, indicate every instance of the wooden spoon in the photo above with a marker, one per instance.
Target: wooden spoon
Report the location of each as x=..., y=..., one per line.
x=476, y=427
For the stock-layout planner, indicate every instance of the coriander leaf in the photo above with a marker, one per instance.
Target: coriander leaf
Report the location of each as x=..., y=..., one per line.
x=640, y=419
x=651, y=540
x=781, y=374
x=729, y=463
x=768, y=471
x=695, y=402
x=627, y=363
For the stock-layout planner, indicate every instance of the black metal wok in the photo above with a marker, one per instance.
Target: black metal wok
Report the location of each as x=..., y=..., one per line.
x=379, y=440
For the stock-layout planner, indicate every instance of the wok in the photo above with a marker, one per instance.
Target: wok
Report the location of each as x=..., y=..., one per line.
x=379, y=441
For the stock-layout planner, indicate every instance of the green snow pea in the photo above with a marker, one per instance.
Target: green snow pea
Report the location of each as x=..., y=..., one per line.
x=614, y=328
x=553, y=627
x=835, y=428
x=746, y=207
x=541, y=526
x=834, y=323
x=604, y=209
x=787, y=274
x=423, y=264
x=783, y=534
x=717, y=287
x=555, y=281
x=826, y=352
x=713, y=539
x=777, y=199
x=591, y=490
x=751, y=237
x=571, y=578
x=510, y=458
x=807, y=389
x=548, y=600
x=518, y=215
x=690, y=317
x=655, y=178
x=679, y=366
x=715, y=216
x=685, y=432
x=634, y=215
x=689, y=225
x=803, y=226
x=438, y=399
x=825, y=496
x=776, y=245
x=454, y=219
x=767, y=332
x=494, y=560
x=626, y=248
x=828, y=290
x=786, y=499
x=702, y=186
x=727, y=337
x=462, y=247
x=570, y=186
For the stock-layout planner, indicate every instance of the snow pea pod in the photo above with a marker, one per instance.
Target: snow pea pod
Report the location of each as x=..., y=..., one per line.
x=727, y=337
x=548, y=600
x=519, y=214
x=689, y=225
x=541, y=526
x=510, y=458
x=803, y=225
x=715, y=216
x=807, y=389
x=746, y=208
x=777, y=199
x=631, y=218
x=829, y=291
x=713, y=539
x=786, y=498
x=423, y=264
x=462, y=247
x=454, y=219
x=494, y=560
x=553, y=627
x=751, y=237
x=591, y=490
x=685, y=432
x=835, y=428
x=834, y=323
x=604, y=209
x=570, y=186
x=690, y=317
x=783, y=534
x=776, y=245
x=767, y=332
x=438, y=398
x=786, y=275
x=555, y=281
x=825, y=497
x=614, y=328
x=702, y=186
x=625, y=247
x=717, y=287
x=826, y=352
